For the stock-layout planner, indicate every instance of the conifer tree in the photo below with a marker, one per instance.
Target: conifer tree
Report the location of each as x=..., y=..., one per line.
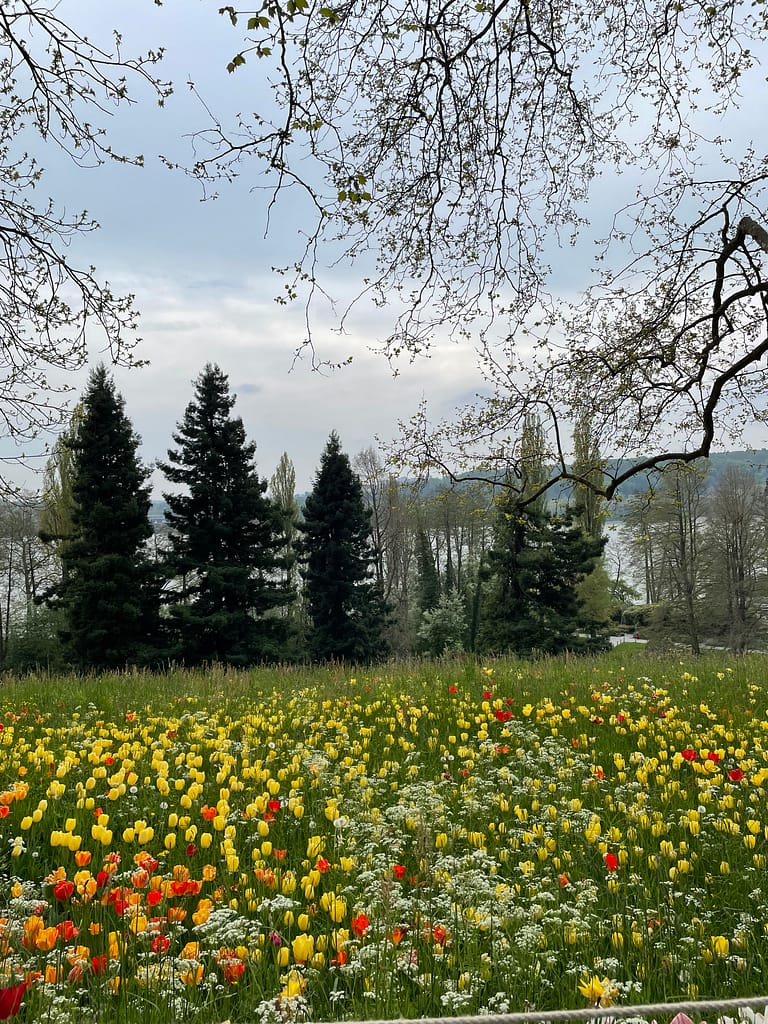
x=534, y=569
x=346, y=609
x=535, y=565
x=428, y=584
x=427, y=588
x=224, y=537
x=109, y=588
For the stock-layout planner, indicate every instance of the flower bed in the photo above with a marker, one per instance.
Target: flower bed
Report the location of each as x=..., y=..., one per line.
x=397, y=846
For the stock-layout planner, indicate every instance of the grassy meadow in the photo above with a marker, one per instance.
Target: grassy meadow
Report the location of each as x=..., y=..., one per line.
x=436, y=839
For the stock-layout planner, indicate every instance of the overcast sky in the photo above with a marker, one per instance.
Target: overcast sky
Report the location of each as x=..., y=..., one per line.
x=201, y=271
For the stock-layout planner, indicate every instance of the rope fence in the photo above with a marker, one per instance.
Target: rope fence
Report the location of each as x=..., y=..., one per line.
x=647, y=1011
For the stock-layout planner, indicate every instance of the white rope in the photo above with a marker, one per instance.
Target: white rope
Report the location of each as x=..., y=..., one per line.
x=590, y=1013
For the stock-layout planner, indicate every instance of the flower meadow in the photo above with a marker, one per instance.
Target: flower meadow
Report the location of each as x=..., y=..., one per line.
x=446, y=839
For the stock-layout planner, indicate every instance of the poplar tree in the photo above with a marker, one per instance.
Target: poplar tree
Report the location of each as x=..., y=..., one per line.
x=57, y=499
x=346, y=609
x=595, y=590
x=227, y=575
x=109, y=588
x=589, y=469
x=282, y=492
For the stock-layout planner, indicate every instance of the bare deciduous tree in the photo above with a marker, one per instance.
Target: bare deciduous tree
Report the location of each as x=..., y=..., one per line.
x=736, y=549
x=57, y=89
x=449, y=147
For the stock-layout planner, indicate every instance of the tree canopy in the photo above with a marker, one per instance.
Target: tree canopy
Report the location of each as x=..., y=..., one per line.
x=226, y=537
x=452, y=152
x=109, y=590
x=345, y=604
x=455, y=149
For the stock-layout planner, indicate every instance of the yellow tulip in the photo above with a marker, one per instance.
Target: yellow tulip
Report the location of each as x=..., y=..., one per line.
x=303, y=947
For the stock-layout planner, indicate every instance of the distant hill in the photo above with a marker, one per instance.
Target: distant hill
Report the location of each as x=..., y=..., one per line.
x=753, y=460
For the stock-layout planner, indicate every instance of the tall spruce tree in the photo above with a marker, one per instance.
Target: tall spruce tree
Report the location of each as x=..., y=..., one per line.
x=109, y=588
x=225, y=537
x=346, y=608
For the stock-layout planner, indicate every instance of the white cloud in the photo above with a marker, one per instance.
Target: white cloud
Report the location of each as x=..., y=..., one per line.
x=284, y=403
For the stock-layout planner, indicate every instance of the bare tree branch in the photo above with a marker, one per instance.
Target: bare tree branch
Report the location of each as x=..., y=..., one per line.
x=449, y=147
x=56, y=86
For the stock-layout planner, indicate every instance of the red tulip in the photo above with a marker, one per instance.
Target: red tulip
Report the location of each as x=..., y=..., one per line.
x=10, y=1000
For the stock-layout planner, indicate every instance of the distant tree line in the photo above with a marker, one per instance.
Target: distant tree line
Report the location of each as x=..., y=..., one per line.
x=697, y=544
x=370, y=566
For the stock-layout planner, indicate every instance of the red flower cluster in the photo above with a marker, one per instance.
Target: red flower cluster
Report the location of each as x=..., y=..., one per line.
x=186, y=887
x=160, y=944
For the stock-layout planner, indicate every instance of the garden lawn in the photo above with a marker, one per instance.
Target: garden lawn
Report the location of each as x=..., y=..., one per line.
x=435, y=840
